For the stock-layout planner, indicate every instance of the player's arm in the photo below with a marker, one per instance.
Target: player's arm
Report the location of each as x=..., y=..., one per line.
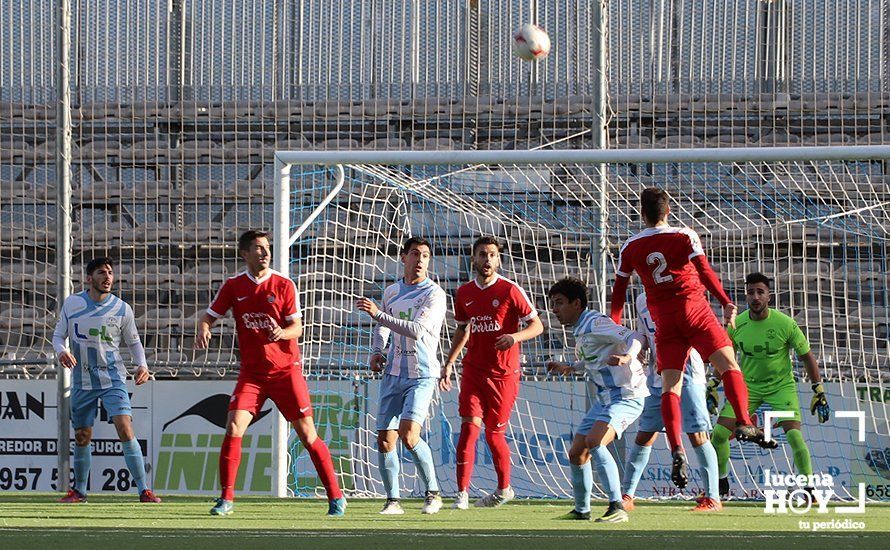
x=527, y=314
x=458, y=340
x=428, y=320
x=293, y=317
x=715, y=287
x=619, y=296
x=130, y=335
x=634, y=341
x=379, y=336
x=218, y=308
x=819, y=404
x=293, y=331
x=533, y=328
x=60, y=335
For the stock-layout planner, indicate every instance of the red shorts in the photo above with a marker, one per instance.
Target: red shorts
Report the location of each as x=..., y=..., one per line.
x=490, y=399
x=689, y=323
x=287, y=389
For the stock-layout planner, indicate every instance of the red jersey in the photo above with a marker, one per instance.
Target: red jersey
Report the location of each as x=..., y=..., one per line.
x=255, y=303
x=492, y=311
x=662, y=256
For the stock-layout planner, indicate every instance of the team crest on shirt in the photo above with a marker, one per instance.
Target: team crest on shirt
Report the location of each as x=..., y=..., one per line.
x=495, y=302
x=771, y=334
x=270, y=298
x=113, y=322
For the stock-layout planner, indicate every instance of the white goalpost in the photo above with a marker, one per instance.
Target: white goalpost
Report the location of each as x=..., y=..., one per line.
x=814, y=218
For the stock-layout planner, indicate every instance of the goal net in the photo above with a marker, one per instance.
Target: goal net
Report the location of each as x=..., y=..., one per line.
x=818, y=227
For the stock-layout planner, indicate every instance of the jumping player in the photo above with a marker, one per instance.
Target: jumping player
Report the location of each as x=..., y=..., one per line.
x=675, y=273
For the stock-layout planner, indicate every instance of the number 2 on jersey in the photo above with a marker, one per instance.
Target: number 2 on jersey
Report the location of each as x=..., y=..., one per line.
x=657, y=273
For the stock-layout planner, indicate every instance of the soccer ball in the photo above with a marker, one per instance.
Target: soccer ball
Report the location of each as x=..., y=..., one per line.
x=531, y=42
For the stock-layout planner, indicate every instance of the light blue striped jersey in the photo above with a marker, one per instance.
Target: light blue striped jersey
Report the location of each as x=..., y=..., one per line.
x=694, y=373
x=414, y=314
x=596, y=338
x=95, y=331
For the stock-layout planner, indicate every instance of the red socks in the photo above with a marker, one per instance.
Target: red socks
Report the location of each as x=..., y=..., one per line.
x=466, y=454
x=737, y=394
x=321, y=459
x=671, y=415
x=500, y=455
x=229, y=459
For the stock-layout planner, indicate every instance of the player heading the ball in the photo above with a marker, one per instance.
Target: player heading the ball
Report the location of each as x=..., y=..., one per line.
x=675, y=273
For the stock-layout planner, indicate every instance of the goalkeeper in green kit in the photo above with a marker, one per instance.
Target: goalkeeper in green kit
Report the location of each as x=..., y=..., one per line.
x=763, y=338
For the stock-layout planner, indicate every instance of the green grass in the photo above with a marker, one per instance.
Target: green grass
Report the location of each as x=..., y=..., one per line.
x=36, y=521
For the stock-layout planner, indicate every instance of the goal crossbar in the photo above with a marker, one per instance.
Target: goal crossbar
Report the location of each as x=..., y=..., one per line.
x=587, y=156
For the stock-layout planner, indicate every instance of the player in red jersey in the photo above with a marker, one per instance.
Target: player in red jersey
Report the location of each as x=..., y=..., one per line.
x=267, y=317
x=488, y=311
x=675, y=273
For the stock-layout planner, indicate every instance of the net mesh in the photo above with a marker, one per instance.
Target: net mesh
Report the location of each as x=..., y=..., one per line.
x=818, y=228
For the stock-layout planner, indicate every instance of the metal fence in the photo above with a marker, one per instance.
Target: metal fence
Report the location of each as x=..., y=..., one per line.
x=176, y=108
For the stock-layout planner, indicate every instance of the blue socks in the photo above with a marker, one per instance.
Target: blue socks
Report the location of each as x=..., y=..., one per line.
x=582, y=485
x=135, y=463
x=423, y=460
x=636, y=463
x=83, y=458
x=607, y=470
x=389, y=471
x=707, y=459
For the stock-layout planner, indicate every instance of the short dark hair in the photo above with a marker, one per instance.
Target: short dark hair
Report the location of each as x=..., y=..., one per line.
x=484, y=240
x=416, y=241
x=572, y=288
x=249, y=236
x=96, y=263
x=654, y=203
x=756, y=277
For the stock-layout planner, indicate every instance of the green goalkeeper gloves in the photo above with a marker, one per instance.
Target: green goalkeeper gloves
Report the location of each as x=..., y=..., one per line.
x=711, y=396
x=819, y=405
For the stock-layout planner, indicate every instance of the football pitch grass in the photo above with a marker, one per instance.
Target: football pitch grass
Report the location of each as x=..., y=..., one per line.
x=37, y=521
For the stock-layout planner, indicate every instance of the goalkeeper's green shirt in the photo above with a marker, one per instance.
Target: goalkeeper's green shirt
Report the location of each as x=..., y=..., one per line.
x=763, y=348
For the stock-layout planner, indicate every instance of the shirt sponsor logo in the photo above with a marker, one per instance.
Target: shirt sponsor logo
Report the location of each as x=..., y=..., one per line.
x=257, y=321
x=484, y=323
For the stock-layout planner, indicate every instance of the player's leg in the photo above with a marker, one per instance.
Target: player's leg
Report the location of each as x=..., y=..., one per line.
x=697, y=425
x=582, y=477
x=84, y=404
x=710, y=339
x=610, y=421
x=784, y=398
x=116, y=402
x=247, y=398
x=414, y=412
x=388, y=411
x=671, y=412
x=291, y=394
x=720, y=441
x=470, y=410
x=599, y=436
x=649, y=424
x=498, y=401
x=672, y=352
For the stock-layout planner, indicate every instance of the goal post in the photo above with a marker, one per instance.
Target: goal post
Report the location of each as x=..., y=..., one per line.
x=813, y=218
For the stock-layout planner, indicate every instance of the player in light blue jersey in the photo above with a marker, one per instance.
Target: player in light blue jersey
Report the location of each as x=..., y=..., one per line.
x=608, y=352
x=696, y=422
x=94, y=323
x=410, y=320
